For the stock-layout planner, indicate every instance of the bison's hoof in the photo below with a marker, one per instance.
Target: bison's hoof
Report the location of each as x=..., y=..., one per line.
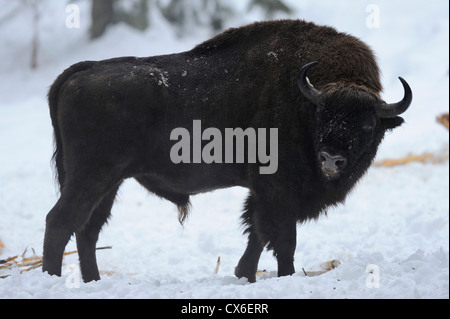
x=241, y=273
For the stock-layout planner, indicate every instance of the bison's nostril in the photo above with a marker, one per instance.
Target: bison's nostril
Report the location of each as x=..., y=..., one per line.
x=341, y=163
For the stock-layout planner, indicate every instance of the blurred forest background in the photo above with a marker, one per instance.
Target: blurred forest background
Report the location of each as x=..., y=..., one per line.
x=183, y=15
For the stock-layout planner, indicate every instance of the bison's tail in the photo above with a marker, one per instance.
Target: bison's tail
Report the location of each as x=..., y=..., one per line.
x=53, y=97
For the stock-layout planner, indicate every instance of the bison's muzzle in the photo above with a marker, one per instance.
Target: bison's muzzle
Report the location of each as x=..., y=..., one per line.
x=331, y=164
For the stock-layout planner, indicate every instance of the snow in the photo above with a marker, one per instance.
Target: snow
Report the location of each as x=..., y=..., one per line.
x=391, y=236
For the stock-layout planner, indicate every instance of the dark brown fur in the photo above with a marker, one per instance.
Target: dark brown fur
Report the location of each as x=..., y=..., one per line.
x=112, y=120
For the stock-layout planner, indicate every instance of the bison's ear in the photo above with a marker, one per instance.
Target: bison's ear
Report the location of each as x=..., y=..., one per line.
x=308, y=108
x=391, y=123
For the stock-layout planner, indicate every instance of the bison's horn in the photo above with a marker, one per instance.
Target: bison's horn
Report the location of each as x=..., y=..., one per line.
x=305, y=87
x=393, y=109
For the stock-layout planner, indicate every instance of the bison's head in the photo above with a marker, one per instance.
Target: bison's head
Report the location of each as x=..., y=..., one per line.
x=351, y=122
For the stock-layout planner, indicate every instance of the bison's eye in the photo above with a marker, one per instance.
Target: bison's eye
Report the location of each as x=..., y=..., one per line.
x=368, y=126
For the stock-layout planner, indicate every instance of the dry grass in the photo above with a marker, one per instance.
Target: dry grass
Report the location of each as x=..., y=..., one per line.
x=436, y=158
x=27, y=261
x=443, y=119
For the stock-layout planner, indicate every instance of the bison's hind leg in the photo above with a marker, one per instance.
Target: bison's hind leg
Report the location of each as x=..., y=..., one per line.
x=82, y=193
x=87, y=237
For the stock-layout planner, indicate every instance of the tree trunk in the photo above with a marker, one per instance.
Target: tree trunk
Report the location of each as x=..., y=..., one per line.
x=35, y=39
x=102, y=16
x=137, y=17
x=271, y=7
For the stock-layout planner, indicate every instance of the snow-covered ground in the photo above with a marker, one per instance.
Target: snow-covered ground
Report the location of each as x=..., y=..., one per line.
x=391, y=236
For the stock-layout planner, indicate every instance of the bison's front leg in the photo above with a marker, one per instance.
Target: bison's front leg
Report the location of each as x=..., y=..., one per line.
x=276, y=224
x=283, y=242
x=248, y=264
x=281, y=236
x=267, y=224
